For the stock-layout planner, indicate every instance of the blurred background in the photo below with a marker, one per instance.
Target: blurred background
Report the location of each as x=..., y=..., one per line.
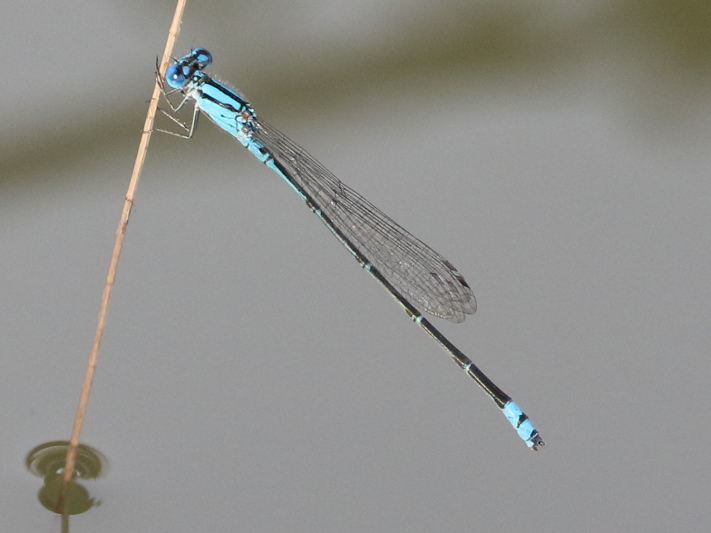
x=253, y=378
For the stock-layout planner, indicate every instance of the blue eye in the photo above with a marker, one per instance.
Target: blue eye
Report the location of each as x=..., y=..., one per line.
x=202, y=58
x=177, y=75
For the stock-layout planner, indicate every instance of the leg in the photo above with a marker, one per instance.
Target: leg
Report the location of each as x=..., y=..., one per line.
x=189, y=129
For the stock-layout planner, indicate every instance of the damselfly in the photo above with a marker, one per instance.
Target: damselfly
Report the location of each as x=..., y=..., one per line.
x=410, y=270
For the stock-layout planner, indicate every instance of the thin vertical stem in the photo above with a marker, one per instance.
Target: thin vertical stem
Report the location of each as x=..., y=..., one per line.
x=118, y=243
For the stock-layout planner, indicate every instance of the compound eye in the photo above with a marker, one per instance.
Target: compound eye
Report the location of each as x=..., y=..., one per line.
x=202, y=58
x=177, y=75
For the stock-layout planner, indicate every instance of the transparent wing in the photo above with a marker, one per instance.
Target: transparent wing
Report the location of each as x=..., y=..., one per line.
x=412, y=267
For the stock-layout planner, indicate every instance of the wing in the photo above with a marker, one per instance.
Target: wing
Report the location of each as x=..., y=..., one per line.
x=412, y=267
